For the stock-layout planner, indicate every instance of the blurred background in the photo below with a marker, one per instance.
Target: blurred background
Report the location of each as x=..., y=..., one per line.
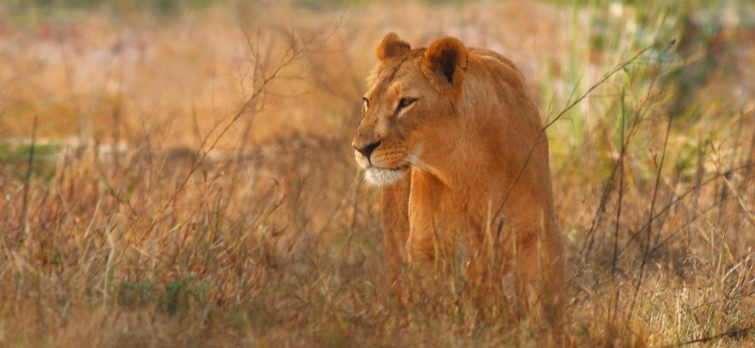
x=193, y=157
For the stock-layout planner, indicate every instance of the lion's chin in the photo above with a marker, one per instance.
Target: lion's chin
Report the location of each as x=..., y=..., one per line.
x=383, y=176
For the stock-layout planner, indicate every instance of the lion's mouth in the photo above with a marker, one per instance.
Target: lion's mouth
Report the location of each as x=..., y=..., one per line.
x=399, y=169
x=381, y=176
x=367, y=164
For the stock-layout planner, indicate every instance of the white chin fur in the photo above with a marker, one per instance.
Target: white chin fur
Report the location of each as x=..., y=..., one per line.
x=382, y=177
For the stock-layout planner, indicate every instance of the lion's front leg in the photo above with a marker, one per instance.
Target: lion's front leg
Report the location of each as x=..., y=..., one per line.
x=430, y=240
x=422, y=250
x=394, y=207
x=540, y=273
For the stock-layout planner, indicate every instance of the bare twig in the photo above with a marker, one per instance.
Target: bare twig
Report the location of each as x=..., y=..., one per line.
x=742, y=204
x=24, y=222
x=651, y=218
x=605, y=78
x=561, y=114
x=620, y=165
x=730, y=334
x=589, y=240
x=597, y=219
x=291, y=54
x=678, y=199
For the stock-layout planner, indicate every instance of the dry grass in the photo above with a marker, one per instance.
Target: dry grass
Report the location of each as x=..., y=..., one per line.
x=192, y=182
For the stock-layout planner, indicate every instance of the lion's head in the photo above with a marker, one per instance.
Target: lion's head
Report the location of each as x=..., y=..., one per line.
x=410, y=110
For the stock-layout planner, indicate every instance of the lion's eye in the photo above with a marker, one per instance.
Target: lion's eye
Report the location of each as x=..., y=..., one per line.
x=404, y=102
x=366, y=103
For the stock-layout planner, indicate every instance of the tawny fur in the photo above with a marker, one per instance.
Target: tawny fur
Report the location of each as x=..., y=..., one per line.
x=460, y=143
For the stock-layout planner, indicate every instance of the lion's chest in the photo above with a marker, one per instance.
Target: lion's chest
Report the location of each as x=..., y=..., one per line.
x=436, y=211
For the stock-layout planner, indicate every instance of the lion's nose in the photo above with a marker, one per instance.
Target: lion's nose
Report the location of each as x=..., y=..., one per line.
x=367, y=150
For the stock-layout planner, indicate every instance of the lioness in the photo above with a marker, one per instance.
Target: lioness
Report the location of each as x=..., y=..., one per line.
x=453, y=139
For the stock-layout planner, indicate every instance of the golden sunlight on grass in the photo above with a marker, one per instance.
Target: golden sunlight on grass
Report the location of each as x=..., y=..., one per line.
x=185, y=179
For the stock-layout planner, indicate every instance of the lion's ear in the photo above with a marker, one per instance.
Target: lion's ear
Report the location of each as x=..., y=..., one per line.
x=447, y=56
x=392, y=46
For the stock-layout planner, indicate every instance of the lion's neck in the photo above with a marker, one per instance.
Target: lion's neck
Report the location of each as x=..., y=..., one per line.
x=465, y=167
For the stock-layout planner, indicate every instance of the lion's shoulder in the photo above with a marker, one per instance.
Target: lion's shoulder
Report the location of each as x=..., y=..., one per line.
x=492, y=69
x=490, y=59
